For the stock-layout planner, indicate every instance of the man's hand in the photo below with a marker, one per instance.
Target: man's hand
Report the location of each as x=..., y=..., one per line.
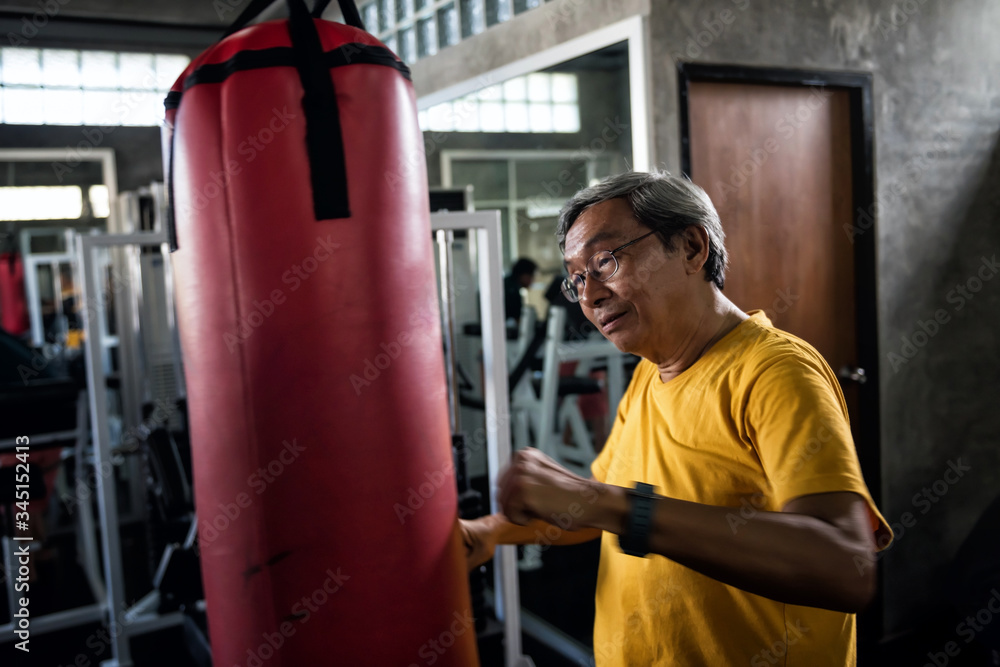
x=536, y=487
x=480, y=538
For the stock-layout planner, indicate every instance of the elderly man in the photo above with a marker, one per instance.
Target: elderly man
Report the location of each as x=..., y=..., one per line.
x=735, y=525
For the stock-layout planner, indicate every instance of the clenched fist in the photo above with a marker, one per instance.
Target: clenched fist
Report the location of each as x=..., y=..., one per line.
x=536, y=487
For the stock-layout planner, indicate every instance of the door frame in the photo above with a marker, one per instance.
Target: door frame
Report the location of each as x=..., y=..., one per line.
x=863, y=235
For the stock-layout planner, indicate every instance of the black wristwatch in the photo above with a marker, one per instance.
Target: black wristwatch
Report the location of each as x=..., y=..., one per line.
x=635, y=540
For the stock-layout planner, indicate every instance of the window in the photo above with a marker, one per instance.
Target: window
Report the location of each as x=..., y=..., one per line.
x=415, y=29
x=539, y=102
x=63, y=202
x=528, y=188
x=68, y=87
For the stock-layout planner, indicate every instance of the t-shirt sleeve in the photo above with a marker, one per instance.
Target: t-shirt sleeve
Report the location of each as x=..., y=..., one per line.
x=599, y=468
x=797, y=421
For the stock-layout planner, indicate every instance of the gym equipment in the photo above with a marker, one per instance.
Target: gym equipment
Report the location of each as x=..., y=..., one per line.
x=54, y=263
x=63, y=238
x=94, y=256
x=312, y=344
x=54, y=411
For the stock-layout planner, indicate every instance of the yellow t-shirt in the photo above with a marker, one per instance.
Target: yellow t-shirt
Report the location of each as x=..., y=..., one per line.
x=758, y=420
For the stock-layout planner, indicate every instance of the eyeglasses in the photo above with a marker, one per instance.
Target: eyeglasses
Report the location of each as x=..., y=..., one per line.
x=602, y=266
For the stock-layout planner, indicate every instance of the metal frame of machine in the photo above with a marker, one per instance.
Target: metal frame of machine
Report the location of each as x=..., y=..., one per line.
x=91, y=256
x=486, y=226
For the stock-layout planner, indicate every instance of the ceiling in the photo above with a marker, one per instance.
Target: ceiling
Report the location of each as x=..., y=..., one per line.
x=178, y=25
x=202, y=13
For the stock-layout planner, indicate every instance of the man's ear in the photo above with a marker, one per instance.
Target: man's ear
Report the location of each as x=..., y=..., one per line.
x=693, y=243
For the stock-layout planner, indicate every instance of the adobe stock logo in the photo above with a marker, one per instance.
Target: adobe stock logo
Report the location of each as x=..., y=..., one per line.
x=422, y=326
x=435, y=647
x=924, y=500
x=967, y=630
x=271, y=642
x=40, y=19
x=776, y=651
x=262, y=309
x=748, y=510
x=420, y=495
x=959, y=296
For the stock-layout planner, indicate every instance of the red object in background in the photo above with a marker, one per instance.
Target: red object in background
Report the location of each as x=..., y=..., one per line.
x=323, y=474
x=13, y=301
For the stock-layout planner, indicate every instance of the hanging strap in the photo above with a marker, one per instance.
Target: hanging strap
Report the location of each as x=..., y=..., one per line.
x=319, y=8
x=324, y=143
x=352, y=16
x=347, y=7
x=251, y=12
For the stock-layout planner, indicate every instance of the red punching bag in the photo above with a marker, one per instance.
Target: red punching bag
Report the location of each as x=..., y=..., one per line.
x=13, y=302
x=308, y=316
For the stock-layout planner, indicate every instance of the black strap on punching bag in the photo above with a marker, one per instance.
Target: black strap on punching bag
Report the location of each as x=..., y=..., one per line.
x=169, y=183
x=327, y=164
x=328, y=173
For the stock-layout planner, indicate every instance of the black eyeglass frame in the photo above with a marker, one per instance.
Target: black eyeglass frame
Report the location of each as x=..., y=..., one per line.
x=569, y=287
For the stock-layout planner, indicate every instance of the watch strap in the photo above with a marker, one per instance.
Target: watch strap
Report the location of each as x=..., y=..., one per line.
x=635, y=540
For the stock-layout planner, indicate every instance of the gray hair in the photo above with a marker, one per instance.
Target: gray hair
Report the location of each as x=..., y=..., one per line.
x=660, y=201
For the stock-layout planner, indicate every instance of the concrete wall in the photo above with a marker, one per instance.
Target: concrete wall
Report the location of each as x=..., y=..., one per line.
x=937, y=165
x=176, y=12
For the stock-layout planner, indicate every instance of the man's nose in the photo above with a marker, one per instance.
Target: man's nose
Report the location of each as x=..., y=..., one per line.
x=594, y=292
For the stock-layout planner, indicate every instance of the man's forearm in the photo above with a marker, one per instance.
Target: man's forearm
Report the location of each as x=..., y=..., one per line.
x=538, y=532
x=789, y=557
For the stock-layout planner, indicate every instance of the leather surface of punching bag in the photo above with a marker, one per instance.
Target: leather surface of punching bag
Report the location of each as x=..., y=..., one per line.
x=307, y=309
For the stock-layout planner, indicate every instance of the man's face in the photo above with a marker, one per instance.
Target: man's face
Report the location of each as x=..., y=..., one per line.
x=648, y=304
